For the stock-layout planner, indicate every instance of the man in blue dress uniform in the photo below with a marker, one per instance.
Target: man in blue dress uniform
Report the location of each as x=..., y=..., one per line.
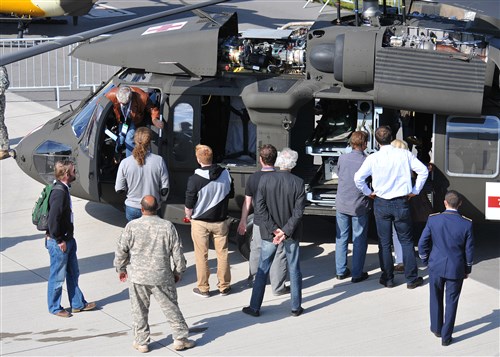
x=447, y=246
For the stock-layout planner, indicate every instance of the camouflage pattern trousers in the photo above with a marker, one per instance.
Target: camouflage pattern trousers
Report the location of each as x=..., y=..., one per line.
x=4, y=136
x=166, y=296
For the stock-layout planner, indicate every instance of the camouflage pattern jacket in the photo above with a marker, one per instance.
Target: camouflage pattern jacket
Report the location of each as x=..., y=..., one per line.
x=145, y=250
x=4, y=80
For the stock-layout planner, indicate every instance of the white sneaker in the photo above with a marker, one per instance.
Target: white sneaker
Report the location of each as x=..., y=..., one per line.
x=182, y=344
x=140, y=348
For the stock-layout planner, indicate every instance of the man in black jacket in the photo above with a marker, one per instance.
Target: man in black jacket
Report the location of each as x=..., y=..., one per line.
x=280, y=206
x=62, y=246
x=207, y=195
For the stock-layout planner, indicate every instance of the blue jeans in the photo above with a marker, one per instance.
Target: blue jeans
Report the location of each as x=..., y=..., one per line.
x=359, y=226
x=268, y=250
x=277, y=272
x=63, y=266
x=127, y=139
x=132, y=213
x=395, y=211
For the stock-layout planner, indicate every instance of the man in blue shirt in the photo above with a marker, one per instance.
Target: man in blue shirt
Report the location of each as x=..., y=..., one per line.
x=391, y=169
x=352, y=214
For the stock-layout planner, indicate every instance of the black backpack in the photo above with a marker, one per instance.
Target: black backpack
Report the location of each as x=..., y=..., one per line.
x=40, y=214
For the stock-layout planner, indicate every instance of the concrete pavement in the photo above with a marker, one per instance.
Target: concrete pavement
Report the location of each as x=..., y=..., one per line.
x=340, y=318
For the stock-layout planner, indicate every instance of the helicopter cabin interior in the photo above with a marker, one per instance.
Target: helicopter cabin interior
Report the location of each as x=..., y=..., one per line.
x=221, y=122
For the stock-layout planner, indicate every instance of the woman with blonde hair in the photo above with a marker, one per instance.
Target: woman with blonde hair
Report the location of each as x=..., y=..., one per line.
x=399, y=268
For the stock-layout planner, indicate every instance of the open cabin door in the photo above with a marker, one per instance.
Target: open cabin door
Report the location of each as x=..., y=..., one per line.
x=94, y=155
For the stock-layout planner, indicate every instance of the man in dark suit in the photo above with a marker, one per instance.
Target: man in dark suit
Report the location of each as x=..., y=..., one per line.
x=61, y=245
x=447, y=246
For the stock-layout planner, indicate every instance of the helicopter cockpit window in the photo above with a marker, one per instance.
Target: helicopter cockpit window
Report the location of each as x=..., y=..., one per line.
x=89, y=140
x=82, y=117
x=183, y=131
x=473, y=146
x=46, y=155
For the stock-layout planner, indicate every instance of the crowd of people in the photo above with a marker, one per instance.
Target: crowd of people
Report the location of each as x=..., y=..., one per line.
x=150, y=256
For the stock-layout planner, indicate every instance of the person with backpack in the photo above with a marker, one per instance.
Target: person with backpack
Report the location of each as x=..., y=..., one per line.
x=61, y=245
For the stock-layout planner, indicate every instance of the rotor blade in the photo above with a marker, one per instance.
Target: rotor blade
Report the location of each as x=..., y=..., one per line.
x=82, y=36
x=201, y=14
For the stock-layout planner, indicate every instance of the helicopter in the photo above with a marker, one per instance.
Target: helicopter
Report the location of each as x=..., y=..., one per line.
x=431, y=73
x=24, y=11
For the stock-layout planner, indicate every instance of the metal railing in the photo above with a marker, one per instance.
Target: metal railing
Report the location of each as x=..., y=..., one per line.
x=56, y=69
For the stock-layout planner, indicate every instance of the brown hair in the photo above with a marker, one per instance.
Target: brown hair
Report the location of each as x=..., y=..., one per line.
x=383, y=135
x=142, y=140
x=268, y=154
x=358, y=138
x=204, y=154
x=453, y=198
x=62, y=167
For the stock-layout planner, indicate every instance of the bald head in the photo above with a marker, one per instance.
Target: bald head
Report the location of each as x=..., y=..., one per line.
x=149, y=205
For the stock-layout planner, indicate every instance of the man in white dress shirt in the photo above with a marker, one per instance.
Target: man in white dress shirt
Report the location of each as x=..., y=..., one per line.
x=391, y=169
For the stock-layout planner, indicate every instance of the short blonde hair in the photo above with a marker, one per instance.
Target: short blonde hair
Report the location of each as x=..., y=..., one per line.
x=400, y=144
x=204, y=154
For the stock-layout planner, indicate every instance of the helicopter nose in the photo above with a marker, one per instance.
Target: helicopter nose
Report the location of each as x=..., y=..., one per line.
x=22, y=156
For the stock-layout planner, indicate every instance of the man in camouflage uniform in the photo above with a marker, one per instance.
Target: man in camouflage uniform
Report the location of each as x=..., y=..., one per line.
x=4, y=136
x=144, y=251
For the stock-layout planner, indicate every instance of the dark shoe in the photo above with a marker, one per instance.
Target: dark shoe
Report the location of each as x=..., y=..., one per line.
x=446, y=343
x=297, y=312
x=437, y=334
x=399, y=269
x=89, y=306
x=363, y=276
x=284, y=291
x=418, y=281
x=226, y=291
x=249, y=311
x=204, y=294
x=386, y=283
x=63, y=313
x=346, y=274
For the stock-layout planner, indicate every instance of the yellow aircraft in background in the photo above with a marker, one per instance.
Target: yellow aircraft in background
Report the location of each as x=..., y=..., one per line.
x=24, y=11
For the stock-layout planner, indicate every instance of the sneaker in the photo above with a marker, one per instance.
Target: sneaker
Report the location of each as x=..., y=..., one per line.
x=399, y=269
x=63, y=313
x=140, y=348
x=88, y=306
x=249, y=311
x=226, y=291
x=182, y=344
x=203, y=294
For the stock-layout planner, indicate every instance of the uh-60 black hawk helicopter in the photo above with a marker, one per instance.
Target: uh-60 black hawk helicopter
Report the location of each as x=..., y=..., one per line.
x=432, y=70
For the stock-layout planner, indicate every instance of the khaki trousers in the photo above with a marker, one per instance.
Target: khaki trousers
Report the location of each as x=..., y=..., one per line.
x=201, y=232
